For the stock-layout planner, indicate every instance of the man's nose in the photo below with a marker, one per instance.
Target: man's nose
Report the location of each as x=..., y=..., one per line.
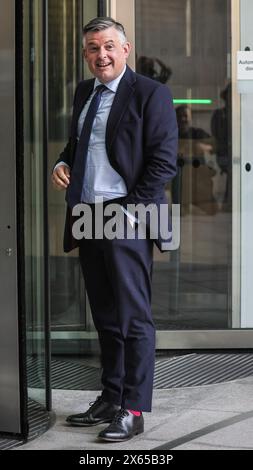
x=102, y=52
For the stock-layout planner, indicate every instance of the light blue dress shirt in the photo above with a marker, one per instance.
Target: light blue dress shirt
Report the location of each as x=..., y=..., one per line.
x=100, y=179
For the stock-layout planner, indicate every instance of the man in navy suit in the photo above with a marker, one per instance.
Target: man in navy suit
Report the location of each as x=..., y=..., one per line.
x=123, y=148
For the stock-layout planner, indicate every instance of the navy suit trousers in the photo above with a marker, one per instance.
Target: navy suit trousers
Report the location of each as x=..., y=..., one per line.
x=117, y=276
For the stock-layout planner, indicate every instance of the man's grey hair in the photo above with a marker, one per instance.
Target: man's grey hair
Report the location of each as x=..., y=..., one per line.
x=104, y=22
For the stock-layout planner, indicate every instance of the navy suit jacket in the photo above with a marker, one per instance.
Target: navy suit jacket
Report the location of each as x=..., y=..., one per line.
x=141, y=141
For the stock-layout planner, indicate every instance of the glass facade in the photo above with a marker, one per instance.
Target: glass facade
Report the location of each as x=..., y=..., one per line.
x=52, y=67
x=175, y=45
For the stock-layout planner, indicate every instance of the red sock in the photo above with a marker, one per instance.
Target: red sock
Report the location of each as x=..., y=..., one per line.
x=136, y=413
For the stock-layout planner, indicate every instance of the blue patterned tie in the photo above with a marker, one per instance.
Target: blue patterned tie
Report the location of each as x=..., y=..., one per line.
x=74, y=191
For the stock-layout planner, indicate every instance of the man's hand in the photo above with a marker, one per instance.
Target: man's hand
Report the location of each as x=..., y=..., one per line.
x=60, y=177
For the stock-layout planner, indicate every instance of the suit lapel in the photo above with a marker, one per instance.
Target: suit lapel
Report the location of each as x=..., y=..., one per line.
x=81, y=99
x=119, y=105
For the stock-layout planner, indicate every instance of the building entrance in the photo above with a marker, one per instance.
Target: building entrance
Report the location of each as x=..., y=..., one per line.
x=190, y=46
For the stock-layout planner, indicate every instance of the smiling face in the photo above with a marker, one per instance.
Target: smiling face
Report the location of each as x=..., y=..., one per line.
x=105, y=53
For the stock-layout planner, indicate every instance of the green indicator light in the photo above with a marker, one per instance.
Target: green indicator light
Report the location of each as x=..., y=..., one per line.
x=185, y=101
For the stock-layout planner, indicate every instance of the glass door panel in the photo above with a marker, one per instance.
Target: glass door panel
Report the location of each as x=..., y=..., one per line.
x=34, y=200
x=176, y=45
x=64, y=72
x=70, y=317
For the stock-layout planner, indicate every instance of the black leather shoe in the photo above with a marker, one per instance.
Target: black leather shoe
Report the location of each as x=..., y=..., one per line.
x=124, y=426
x=99, y=412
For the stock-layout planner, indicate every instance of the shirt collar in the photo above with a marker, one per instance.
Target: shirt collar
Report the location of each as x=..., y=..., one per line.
x=113, y=85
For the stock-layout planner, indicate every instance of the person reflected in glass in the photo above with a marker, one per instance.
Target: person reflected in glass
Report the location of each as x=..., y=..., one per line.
x=221, y=131
x=148, y=66
x=195, y=150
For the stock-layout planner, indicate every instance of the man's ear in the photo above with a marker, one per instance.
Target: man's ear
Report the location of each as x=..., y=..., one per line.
x=127, y=49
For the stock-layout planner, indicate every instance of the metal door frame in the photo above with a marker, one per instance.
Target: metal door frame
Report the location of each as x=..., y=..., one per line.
x=12, y=390
x=246, y=89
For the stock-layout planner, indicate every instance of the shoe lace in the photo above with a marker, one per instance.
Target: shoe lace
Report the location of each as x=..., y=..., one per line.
x=92, y=403
x=120, y=415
